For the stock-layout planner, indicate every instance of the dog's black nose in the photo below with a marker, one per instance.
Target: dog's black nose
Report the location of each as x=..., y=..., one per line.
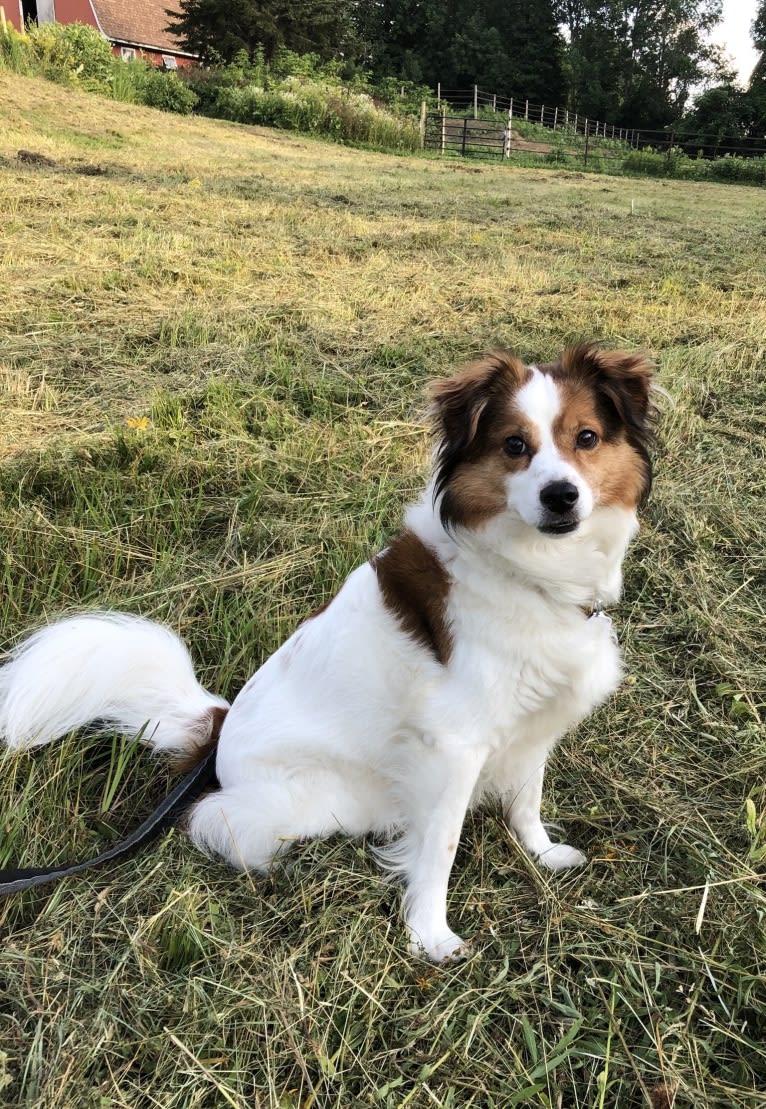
x=559, y=496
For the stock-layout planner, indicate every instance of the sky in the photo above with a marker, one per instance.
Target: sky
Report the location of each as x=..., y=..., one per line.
x=733, y=33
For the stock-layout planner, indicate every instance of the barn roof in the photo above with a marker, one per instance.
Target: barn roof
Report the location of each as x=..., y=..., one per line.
x=141, y=22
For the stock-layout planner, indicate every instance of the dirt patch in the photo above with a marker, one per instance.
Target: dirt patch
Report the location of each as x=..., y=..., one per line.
x=534, y=147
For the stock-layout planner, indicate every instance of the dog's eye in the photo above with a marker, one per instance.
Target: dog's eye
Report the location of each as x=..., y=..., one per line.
x=587, y=440
x=515, y=446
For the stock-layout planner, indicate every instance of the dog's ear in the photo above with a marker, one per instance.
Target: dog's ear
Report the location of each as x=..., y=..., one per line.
x=458, y=403
x=623, y=378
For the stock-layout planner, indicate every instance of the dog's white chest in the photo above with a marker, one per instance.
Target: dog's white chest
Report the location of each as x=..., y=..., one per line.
x=531, y=670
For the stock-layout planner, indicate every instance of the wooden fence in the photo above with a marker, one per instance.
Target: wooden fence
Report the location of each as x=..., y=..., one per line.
x=584, y=135
x=463, y=135
x=547, y=115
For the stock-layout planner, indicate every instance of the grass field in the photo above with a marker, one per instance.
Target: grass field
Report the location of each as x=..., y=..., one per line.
x=213, y=347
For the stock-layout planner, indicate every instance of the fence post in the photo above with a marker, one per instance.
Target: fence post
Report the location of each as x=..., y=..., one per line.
x=494, y=102
x=669, y=154
x=465, y=131
x=575, y=125
x=507, y=135
x=566, y=117
x=526, y=110
x=586, y=141
x=555, y=118
x=444, y=128
x=475, y=101
x=542, y=113
x=422, y=124
x=439, y=92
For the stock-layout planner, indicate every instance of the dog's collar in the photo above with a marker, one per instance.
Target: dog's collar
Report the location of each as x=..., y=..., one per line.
x=598, y=612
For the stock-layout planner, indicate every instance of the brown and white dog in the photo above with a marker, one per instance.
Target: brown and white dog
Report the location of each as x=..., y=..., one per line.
x=444, y=670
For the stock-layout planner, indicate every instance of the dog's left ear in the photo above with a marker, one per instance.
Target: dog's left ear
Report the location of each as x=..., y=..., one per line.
x=625, y=378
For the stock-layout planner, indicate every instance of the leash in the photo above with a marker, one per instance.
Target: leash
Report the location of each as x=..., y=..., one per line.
x=174, y=805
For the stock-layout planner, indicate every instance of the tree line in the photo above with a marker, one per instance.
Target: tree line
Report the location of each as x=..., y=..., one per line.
x=634, y=63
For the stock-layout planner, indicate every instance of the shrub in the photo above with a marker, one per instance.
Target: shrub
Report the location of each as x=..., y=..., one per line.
x=72, y=53
x=164, y=90
x=129, y=80
x=645, y=161
x=402, y=97
x=313, y=107
x=751, y=171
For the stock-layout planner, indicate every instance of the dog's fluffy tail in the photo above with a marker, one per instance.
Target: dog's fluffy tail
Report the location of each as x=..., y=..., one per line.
x=132, y=674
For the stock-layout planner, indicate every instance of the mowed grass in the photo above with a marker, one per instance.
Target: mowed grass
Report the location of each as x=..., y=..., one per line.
x=214, y=343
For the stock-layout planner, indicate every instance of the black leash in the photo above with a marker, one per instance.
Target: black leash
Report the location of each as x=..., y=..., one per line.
x=176, y=803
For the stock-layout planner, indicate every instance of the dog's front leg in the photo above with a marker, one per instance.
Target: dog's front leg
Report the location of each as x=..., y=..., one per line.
x=436, y=804
x=521, y=796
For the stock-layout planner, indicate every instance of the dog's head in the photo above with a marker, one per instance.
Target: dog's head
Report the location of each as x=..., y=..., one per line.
x=547, y=444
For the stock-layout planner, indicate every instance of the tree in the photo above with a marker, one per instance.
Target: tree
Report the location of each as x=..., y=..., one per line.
x=717, y=121
x=755, y=97
x=404, y=38
x=634, y=62
x=218, y=30
x=510, y=47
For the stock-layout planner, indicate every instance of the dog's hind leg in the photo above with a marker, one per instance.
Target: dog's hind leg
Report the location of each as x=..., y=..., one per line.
x=251, y=823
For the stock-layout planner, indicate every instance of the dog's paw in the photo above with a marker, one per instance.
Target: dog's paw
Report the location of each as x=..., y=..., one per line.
x=560, y=856
x=446, y=948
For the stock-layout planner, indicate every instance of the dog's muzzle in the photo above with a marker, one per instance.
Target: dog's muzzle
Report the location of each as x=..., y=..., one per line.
x=559, y=499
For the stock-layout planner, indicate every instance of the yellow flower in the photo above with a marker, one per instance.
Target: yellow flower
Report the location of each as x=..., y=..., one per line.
x=138, y=423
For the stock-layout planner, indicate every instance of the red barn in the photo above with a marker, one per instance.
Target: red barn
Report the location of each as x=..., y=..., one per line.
x=135, y=29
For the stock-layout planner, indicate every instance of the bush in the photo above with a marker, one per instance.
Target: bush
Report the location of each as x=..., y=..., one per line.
x=402, y=97
x=751, y=171
x=645, y=161
x=72, y=53
x=129, y=80
x=164, y=90
x=675, y=163
x=314, y=108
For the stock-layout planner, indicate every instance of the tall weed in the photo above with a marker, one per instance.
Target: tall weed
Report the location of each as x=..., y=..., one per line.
x=15, y=52
x=314, y=108
x=72, y=53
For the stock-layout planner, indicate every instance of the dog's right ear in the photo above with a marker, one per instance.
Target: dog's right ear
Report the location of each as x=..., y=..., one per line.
x=459, y=403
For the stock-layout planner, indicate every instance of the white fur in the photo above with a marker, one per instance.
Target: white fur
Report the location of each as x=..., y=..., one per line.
x=351, y=725
x=540, y=401
x=130, y=673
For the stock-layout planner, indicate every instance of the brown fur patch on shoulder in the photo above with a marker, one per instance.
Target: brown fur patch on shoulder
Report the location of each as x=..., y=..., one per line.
x=203, y=741
x=415, y=586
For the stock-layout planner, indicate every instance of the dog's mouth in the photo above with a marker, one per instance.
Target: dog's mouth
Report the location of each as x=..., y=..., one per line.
x=559, y=527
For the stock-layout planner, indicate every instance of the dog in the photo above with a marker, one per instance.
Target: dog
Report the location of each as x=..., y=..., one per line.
x=445, y=669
